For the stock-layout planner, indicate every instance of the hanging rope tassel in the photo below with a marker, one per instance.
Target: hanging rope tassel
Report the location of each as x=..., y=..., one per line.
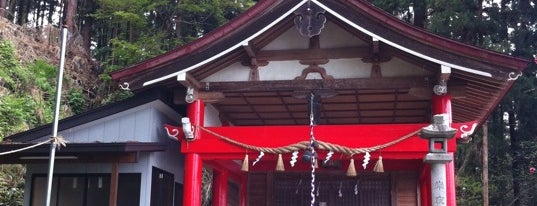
x=245, y=164
x=279, y=164
x=351, y=171
x=379, y=167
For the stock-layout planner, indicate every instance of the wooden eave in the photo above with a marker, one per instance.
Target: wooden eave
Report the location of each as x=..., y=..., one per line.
x=96, y=152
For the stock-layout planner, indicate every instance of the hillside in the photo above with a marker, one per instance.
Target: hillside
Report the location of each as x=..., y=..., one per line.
x=28, y=71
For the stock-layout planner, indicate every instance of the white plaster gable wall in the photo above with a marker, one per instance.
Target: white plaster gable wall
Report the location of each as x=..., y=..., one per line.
x=234, y=72
x=289, y=39
x=398, y=68
x=332, y=36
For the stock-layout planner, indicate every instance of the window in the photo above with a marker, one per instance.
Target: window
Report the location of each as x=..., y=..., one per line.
x=86, y=189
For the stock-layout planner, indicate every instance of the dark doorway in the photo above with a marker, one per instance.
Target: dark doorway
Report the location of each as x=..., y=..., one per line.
x=162, y=186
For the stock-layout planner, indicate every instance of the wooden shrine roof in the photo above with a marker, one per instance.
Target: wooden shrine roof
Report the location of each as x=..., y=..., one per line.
x=479, y=77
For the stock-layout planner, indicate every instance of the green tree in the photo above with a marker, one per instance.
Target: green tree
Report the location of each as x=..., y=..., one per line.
x=506, y=26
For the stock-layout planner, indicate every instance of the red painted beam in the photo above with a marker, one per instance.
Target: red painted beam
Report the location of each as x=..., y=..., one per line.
x=354, y=136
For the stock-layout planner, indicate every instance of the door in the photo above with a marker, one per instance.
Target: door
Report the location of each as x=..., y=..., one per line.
x=332, y=190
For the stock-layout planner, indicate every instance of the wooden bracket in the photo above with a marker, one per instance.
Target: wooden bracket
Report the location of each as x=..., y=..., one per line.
x=445, y=72
x=254, y=64
x=193, y=94
x=312, y=69
x=375, y=59
x=188, y=80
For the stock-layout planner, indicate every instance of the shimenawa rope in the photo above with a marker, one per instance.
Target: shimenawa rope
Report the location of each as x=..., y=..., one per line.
x=59, y=141
x=304, y=145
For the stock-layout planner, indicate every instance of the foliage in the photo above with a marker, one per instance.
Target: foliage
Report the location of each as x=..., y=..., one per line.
x=468, y=191
x=76, y=101
x=117, y=95
x=206, y=187
x=27, y=92
x=13, y=76
x=505, y=26
x=11, y=184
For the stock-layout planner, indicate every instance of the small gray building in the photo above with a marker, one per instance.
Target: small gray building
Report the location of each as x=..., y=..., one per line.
x=118, y=150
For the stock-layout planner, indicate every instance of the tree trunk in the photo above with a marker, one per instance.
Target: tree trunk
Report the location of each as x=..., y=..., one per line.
x=3, y=8
x=69, y=16
x=87, y=22
x=51, y=11
x=21, y=17
x=479, y=35
x=485, y=171
x=420, y=13
x=37, y=13
x=515, y=149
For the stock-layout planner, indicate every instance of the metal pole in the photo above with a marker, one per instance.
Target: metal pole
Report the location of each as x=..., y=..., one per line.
x=56, y=114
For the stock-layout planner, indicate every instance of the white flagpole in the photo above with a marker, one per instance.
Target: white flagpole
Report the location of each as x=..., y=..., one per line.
x=56, y=113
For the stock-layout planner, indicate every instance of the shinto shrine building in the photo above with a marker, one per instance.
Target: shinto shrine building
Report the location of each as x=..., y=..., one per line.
x=372, y=104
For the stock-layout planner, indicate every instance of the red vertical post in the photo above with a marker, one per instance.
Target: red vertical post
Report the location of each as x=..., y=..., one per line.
x=195, y=112
x=450, y=180
x=243, y=192
x=220, y=183
x=425, y=185
x=441, y=104
x=193, y=162
x=192, y=180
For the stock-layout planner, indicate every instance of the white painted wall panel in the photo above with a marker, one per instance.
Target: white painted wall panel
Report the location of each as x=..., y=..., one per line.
x=211, y=116
x=333, y=36
x=290, y=39
x=126, y=127
x=235, y=72
x=399, y=68
x=96, y=132
x=141, y=121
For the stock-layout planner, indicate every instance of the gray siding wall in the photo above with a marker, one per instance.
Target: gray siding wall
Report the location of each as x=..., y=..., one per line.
x=143, y=124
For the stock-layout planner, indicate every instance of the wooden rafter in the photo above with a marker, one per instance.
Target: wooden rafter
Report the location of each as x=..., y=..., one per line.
x=313, y=53
x=292, y=85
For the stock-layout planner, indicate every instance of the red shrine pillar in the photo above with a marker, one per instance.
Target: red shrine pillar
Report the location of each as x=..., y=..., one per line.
x=450, y=179
x=243, y=191
x=425, y=185
x=193, y=162
x=220, y=183
x=441, y=104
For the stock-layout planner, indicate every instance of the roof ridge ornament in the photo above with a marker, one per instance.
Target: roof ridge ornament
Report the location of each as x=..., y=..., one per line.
x=309, y=19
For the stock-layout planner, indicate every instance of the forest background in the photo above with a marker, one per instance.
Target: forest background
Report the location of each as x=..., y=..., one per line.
x=106, y=35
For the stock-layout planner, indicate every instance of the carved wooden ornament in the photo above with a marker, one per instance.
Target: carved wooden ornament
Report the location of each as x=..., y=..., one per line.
x=309, y=20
